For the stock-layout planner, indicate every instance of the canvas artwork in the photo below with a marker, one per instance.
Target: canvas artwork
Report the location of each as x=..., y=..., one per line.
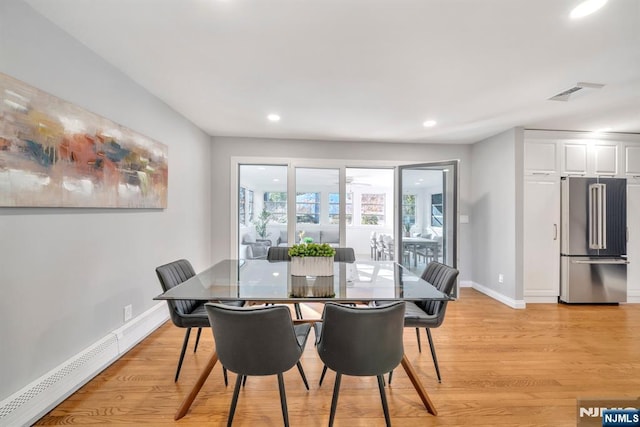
x=56, y=154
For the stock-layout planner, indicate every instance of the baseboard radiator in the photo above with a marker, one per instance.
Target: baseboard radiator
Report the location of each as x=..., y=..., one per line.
x=29, y=404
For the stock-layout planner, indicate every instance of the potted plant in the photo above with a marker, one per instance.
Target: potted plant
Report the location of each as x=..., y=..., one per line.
x=312, y=259
x=261, y=223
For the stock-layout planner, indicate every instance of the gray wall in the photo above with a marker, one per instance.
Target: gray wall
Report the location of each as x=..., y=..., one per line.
x=226, y=147
x=66, y=274
x=495, y=192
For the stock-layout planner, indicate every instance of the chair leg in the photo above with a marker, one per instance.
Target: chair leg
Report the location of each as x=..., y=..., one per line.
x=334, y=400
x=298, y=311
x=283, y=399
x=304, y=377
x=383, y=396
x=418, y=336
x=224, y=374
x=433, y=354
x=324, y=371
x=234, y=400
x=390, y=375
x=244, y=381
x=195, y=347
x=184, y=349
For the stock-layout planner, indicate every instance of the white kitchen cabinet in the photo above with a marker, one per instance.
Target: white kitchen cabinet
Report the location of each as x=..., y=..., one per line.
x=541, y=238
x=590, y=158
x=540, y=157
x=604, y=156
x=574, y=158
x=633, y=242
x=632, y=160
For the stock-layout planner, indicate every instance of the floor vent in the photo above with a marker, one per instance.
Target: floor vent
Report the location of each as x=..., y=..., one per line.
x=66, y=378
x=29, y=404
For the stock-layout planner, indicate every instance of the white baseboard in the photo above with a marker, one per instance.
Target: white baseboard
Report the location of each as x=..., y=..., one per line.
x=466, y=284
x=633, y=296
x=29, y=404
x=540, y=299
x=513, y=303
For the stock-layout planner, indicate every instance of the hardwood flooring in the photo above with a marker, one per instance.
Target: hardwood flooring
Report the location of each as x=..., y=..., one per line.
x=500, y=367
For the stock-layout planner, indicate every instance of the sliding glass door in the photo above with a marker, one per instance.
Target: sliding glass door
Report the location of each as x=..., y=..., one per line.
x=427, y=214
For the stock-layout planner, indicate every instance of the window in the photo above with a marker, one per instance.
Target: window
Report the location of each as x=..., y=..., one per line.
x=408, y=211
x=308, y=208
x=372, y=209
x=241, y=207
x=436, y=210
x=334, y=208
x=249, y=207
x=276, y=204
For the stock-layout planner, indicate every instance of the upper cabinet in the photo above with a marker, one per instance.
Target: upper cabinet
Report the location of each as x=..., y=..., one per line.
x=540, y=157
x=590, y=158
x=632, y=160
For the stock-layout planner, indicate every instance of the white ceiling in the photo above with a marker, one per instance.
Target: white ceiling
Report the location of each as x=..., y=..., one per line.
x=371, y=70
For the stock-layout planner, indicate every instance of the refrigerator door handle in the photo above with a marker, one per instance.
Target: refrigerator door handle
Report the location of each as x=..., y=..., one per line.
x=597, y=214
x=555, y=231
x=604, y=261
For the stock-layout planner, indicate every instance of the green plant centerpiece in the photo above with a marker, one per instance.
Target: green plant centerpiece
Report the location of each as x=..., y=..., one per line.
x=312, y=259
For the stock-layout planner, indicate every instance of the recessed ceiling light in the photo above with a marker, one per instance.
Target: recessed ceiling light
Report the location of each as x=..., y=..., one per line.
x=429, y=123
x=585, y=8
x=273, y=118
x=276, y=180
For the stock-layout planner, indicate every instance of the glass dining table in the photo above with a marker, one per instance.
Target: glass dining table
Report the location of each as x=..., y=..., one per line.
x=262, y=281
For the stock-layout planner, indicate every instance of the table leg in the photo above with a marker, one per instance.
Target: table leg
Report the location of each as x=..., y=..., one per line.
x=413, y=376
x=186, y=403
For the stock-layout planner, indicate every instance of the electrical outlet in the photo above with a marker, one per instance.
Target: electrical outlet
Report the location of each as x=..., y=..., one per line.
x=500, y=278
x=128, y=312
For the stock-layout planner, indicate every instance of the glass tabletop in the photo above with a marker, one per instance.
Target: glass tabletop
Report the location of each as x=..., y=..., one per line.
x=261, y=280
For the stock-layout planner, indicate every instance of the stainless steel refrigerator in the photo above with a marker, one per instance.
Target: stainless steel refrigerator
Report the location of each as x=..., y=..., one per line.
x=593, y=250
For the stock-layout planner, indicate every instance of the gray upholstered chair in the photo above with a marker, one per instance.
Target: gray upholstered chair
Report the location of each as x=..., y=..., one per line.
x=430, y=314
x=344, y=255
x=278, y=253
x=257, y=341
x=361, y=341
x=185, y=313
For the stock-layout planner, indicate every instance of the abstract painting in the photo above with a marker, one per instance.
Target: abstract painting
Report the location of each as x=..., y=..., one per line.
x=56, y=154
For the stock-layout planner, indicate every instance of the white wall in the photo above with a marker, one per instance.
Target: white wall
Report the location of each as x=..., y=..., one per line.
x=495, y=195
x=224, y=148
x=66, y=274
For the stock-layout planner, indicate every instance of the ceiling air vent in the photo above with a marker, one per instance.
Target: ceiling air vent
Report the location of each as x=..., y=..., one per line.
x=565, y=95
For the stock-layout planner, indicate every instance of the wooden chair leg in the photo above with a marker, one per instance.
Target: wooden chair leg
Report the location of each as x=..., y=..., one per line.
x=334, y=400
x=184, y=349
x=383, y=396
x=195, y=347
x=433, y=354
x=234, y=400
x=283, y=399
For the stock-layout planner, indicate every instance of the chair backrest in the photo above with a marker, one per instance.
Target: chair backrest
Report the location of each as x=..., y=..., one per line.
x=171, y=275
x=362, y=341
x=278, y=253
x=344, y=255
x=443, y=278
x=255, y=340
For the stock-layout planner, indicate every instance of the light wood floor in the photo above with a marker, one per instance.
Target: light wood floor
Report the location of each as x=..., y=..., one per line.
x=500, y=367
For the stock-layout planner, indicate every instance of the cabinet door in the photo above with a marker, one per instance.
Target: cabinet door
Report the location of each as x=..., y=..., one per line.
x=541, y=281
x=574, y=160
x=605, y=159
x=540, y=157
x=633, y=244
x=632, y=160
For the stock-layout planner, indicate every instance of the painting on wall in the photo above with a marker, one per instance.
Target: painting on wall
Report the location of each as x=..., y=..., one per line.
x=56, y=154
